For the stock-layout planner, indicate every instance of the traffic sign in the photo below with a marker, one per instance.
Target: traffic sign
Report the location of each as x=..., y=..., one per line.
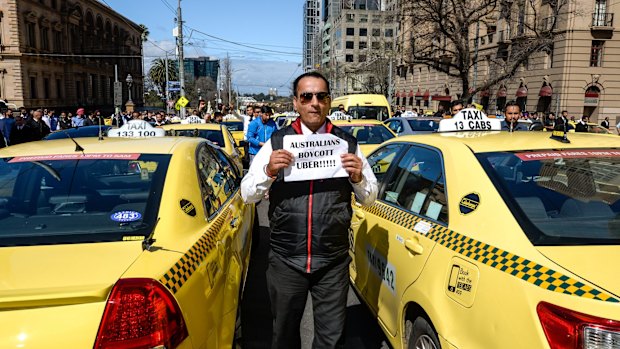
x=183, y=101
x=118, y=93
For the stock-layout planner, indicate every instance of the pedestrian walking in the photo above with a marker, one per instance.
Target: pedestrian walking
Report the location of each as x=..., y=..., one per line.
x=39, y=128
x=260, y=131
x=20, y=132
x=78, y=119
x=6, y=125
x=511, y=121
x=309, y=223
x=248, y=117
x=605, y=123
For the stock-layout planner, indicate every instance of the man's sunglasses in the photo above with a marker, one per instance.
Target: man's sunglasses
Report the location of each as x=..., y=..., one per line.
x=306, y=97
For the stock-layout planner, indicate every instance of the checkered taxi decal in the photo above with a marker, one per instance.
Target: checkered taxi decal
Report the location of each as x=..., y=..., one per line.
x=183, y=269
x=494, y=257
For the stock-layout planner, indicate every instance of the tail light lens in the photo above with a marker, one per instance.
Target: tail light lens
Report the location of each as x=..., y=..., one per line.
x=141, y=313
x=567, y=329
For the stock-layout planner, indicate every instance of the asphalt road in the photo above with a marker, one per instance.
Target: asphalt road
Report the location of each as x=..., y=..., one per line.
x=362, y=330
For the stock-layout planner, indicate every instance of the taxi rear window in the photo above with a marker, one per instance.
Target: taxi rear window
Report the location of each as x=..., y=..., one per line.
x=564, y=197
x=369, y=134
x=215, y=136
x=233, y=126
x=79, y=198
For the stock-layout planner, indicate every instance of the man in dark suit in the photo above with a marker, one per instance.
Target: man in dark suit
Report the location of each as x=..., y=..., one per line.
x=20, y=132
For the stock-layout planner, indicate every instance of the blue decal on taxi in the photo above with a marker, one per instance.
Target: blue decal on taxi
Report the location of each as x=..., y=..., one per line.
x=126, y=216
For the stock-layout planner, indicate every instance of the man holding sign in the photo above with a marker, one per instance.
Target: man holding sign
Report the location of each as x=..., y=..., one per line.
x=310, y=170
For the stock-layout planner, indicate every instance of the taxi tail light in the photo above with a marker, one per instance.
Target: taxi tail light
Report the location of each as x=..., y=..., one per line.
x=141, y=313
x=567, y=329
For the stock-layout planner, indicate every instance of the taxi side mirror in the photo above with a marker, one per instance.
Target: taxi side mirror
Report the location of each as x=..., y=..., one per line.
x=242, y=143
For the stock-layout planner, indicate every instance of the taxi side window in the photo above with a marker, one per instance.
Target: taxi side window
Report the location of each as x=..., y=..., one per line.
x=211, y=185
x=228, y=173
x=381, y=160
x=395, y=125
x=418, y=184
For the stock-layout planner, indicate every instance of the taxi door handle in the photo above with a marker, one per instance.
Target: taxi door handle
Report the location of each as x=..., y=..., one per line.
x=234, y=222
x=414, y=246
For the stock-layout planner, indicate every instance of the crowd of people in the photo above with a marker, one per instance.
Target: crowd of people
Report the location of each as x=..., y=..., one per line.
x=538, y=121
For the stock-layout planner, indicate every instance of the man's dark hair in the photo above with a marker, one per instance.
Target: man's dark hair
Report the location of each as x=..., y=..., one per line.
x=265, y=109
x=512, y=104
x=217, y=113
x=564, y=111
x=457, y=102
x=312, y=74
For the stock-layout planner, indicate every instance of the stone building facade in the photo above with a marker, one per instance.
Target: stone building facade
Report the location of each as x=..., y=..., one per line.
x=579, y=74
x=62, y=54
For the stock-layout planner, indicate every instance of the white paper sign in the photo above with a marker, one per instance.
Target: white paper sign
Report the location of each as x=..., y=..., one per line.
x=317, y=156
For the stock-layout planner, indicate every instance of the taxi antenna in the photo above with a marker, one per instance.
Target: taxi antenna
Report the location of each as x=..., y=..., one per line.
x=77, y=146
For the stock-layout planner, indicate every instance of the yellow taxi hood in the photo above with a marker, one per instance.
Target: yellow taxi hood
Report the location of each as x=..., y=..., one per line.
x=596, y=264
x=53, y=275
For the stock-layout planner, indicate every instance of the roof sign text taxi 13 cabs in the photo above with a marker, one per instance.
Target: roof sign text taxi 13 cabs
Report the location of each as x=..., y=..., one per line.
x=481, y=238
x=125, y=242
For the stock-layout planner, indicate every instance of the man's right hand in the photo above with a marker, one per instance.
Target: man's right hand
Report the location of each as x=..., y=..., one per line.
x=279, y=159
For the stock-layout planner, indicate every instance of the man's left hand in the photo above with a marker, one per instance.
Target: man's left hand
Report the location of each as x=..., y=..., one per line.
x=353, y=165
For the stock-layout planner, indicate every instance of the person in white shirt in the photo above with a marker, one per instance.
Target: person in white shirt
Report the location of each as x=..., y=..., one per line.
x=309, y=222
x=247, y=118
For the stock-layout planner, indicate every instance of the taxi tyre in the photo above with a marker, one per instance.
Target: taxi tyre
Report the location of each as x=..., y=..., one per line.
x=421, y=335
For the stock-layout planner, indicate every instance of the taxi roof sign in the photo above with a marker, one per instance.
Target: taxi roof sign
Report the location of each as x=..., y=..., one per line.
x=338, y=115
x=470, y=119
x=193, y=119
x=136, y=129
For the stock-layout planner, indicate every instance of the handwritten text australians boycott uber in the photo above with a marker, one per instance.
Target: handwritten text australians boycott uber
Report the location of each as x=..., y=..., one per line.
x=317, y=156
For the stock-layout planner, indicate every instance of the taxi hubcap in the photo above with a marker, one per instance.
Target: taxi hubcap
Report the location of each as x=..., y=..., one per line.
x=424, y=342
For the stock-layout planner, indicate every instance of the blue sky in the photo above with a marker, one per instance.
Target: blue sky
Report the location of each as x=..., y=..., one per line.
x=262, y=38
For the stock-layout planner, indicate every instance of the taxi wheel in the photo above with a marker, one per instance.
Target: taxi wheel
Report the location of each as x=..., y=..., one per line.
x=420, y=334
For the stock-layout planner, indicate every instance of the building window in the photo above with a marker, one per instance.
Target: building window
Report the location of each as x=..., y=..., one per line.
x=349, y=45
x=389, y=33
x=31, y=38
x=363, y=32
x=46, y=88
x=376, y=32
x=58, y=42
x=361, y=58
x=45, y=39
x=349, y=58
x=350, y=17
x=33, y=87
x=376, y=45
x=363, y=18
x=389, y=45
x=350, y=31
x=59, y=88
x=596, y=53
x=95, y=87
x=362, y=45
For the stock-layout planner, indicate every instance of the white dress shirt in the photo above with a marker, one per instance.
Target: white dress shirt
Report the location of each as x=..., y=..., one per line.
x=256, y=183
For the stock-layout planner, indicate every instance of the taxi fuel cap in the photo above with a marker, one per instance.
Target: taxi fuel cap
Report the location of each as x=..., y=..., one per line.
x=469, y=119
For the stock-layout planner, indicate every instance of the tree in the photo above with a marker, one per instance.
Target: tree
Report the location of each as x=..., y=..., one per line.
x=157, y=73
x=206, y=86
x=441, y=36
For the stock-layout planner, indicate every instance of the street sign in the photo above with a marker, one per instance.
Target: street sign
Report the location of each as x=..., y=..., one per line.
x=183, y=101
x=118, y=93
x=174, y=84
x=174, y=89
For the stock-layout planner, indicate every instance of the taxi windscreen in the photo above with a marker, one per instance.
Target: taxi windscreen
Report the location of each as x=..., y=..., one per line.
x=368, y=112
x=368, y=134
x=563, y=197
x=214, y=136
x=424, y=125
x=233, y=125
x=76, y=198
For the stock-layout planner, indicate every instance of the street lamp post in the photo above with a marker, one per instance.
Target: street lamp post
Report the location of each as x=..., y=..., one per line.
x=129, y=105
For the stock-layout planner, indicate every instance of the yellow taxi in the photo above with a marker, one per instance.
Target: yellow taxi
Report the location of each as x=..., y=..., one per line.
x=217, y=134
x=369, y=133
x=489, y=239
x=121, y=243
